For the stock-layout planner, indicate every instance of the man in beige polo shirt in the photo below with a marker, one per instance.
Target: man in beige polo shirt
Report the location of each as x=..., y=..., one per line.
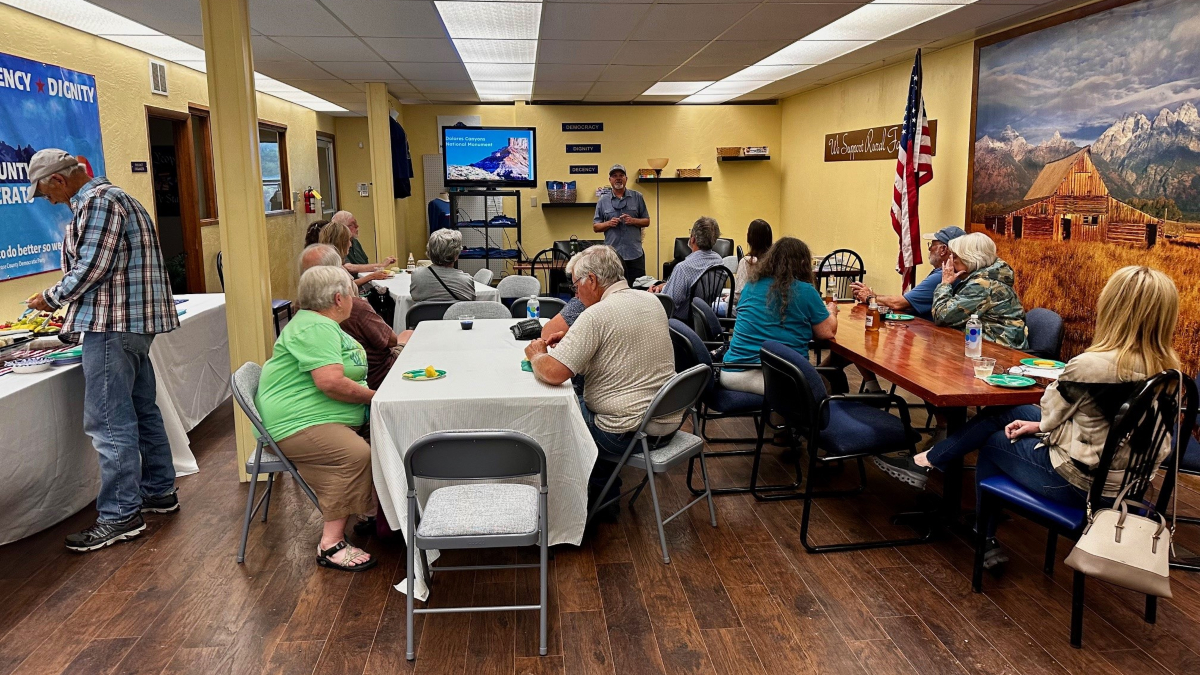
x=622, y=347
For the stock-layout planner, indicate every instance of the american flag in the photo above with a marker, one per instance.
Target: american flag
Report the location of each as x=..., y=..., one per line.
x=914, y=168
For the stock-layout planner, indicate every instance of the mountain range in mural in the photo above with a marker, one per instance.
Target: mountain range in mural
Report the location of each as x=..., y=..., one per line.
x=1139, y=158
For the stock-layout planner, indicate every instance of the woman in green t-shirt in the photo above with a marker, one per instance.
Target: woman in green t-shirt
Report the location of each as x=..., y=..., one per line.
x=313, y=400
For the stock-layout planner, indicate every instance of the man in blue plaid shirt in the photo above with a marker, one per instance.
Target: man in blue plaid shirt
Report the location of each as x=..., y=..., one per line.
x=117, y=294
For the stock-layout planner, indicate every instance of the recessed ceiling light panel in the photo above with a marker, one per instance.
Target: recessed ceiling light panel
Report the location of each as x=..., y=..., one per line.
x=675, y=88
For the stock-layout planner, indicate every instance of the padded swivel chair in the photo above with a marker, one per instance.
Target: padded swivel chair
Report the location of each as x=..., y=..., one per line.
x=1045, y=333
x=723, y=247
x=277, y=306
x=1141, y=425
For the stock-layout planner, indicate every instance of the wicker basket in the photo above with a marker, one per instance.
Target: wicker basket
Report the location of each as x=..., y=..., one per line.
x=560, y=192
x=687, y=173
x=729, y=151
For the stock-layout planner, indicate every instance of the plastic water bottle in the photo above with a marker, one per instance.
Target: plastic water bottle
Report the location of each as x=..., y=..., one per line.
x=974, y=336
x=412, y=264
x=532, y=308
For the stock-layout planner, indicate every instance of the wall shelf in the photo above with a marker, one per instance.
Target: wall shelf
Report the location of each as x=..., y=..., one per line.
x=674, y=179
x=567, y=205
x=745, y=158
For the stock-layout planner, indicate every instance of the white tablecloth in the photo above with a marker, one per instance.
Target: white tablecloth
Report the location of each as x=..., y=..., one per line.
x=484, y=388
x=48, y=468
x=397, y=287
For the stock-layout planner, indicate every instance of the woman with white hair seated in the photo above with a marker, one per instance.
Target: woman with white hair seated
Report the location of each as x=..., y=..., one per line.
x=441, y=281
x=975, y=281
x=313, y=400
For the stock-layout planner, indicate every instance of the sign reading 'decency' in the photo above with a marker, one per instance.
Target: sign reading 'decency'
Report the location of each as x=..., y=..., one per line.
x=583, y=126
x=873, y=143
x=584, y=168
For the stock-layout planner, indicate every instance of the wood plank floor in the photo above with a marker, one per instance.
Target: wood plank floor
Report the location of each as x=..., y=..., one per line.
x=741, y=599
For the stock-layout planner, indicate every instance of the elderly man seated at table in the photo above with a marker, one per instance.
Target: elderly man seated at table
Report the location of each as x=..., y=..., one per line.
x=313, y=400
x=704, y=235
x=441, y=281
x=356, y=255
x=622, y=345
x=338, y=236
x=364, y=325
x=975, y=281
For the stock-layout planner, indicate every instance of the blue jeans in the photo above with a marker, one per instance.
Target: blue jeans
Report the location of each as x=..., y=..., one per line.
x=123, y=420
x=611, y=448
x=1024, y=461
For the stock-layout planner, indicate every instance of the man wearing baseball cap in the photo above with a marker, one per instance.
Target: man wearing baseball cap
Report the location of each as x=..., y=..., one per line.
x=918, y=300
x=621, y=216
x=118, y=295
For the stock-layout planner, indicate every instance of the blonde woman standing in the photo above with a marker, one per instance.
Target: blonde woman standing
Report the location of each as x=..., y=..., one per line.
x=1052, y=447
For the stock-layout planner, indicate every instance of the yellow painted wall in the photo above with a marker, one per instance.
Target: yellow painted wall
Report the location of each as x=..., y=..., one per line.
x=123, y=91
x=354, y=167
x=847, y=204
x=688, y=135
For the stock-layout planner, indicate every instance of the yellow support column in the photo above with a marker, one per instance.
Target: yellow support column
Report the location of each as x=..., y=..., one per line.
x=234, y=112
x=387, y=239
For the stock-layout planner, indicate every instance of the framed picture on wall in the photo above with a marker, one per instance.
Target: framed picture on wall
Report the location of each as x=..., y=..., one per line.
x=1086, y=155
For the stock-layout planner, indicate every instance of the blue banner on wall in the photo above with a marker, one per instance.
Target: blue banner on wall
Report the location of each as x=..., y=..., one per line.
x=41, y=106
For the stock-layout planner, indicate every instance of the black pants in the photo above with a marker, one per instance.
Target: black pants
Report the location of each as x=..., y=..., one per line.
x=635, y=268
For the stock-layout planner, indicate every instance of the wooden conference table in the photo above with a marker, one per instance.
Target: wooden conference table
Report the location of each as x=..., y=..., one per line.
x=929, y=362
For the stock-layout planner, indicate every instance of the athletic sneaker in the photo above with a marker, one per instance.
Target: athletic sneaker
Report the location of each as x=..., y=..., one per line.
x=105, y=534
x=993, y=554
x=162, y=504
x=903, y=469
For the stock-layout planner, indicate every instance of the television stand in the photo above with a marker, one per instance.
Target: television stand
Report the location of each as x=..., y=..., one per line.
x=488, y=241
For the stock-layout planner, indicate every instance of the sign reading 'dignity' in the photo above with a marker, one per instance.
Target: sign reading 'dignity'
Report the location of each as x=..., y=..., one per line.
x=583, y=126
x=873, y=143
x=591, y=147
x=584, y=168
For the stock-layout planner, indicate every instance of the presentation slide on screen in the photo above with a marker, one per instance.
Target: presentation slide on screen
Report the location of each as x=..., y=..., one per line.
x=41, y=106
x=489, y=155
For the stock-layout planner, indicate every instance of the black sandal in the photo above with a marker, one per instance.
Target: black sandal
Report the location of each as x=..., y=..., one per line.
x=324, y=558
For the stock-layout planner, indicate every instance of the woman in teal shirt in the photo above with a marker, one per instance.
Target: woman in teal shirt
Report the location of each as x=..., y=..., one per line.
x=779, y=303
x=313, y=399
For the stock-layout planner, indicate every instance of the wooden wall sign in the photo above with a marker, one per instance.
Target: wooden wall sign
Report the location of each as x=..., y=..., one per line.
x=583, y=126
x=584, y=168
x=590, y=147
x=873, y=143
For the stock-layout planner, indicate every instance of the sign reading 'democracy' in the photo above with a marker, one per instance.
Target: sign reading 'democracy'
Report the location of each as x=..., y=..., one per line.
x=583, y=126
x=873, y=143
x=41, y=106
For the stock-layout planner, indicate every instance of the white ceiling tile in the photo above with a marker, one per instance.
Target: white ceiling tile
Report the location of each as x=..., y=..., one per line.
x=500, y=72
x=389, y=18
x=294, y=17
x=604, y=98
x=453, y=97
x=414, y=50
x=177, y=18
x=880, y=50
x=399, y=86
x=443, y=87
x=283, y=70
x=638, y=73
x=737, y=52
x=659, y=99
x=266, y=49
x=690, y=73
x=590, y=21
x=625, y=88
x=785, y=21
x=684, y=22
x=491, y=20
x=375, y=71
x=756, y=96
x=553, y=97
x=658, y=52
x=553, y=72
x=344, y=99
x=573, y=52
x=564, y=89
x=320, y=87
x=960, y=20
x=432, y=71
x=329, y=48
x=496, y=51
x=607, y=2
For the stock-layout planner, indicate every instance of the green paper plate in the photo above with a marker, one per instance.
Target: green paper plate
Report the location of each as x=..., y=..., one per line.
x=1010, y=381
x=898, y=317
x=1043, y=363
x=73, y=353
x=526, y=366
x=419, y=375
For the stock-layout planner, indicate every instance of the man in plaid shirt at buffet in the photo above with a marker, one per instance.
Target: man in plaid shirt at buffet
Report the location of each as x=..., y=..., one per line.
x=118, y=295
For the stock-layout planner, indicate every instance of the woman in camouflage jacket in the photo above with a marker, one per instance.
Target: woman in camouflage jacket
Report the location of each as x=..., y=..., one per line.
x=975, y=281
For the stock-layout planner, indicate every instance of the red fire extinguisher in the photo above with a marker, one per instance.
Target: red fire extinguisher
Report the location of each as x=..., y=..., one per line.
x=310, y=200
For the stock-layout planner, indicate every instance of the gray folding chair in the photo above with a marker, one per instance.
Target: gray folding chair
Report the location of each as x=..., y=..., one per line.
x=484, y=276
x=476, y=515
x=518, y=286
x=480, y=309
x=681, y=393
x=245, y=387
x=548, y=308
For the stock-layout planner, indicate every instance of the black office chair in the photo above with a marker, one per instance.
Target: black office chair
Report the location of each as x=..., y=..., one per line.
x=277, y=306
x=668, y=303
x=430, y=310
x=723, y=247
x=1045, y=333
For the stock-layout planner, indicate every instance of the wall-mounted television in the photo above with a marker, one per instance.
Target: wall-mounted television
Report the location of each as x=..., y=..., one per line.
x=489, y=157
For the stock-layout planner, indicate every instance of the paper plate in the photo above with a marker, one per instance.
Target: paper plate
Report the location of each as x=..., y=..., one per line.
x=1010, y=381
x=898, y=317
x=419, y=375
x=526, y=366
x=69, y=361
x=1043, y=363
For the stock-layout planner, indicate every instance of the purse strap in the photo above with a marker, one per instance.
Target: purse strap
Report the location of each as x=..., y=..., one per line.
x=439, y=279
x=1180, y=444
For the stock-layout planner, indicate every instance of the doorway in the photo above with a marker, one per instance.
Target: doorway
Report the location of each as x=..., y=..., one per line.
x=1066, y=228
x=175, y=203
x=1018, y=226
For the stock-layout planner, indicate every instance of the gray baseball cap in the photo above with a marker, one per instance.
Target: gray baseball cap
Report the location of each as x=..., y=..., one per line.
x=46, y=163
x=945, y=234
x=617, y=167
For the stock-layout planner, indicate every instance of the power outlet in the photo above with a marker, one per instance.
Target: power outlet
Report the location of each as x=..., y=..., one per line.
x=533, y=202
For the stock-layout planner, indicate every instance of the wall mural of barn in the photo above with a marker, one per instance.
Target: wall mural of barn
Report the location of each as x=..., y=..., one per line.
x=1087, y=157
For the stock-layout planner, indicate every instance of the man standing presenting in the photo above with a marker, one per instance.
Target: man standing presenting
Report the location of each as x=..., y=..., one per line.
x=622, y=216
x=119, y=297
